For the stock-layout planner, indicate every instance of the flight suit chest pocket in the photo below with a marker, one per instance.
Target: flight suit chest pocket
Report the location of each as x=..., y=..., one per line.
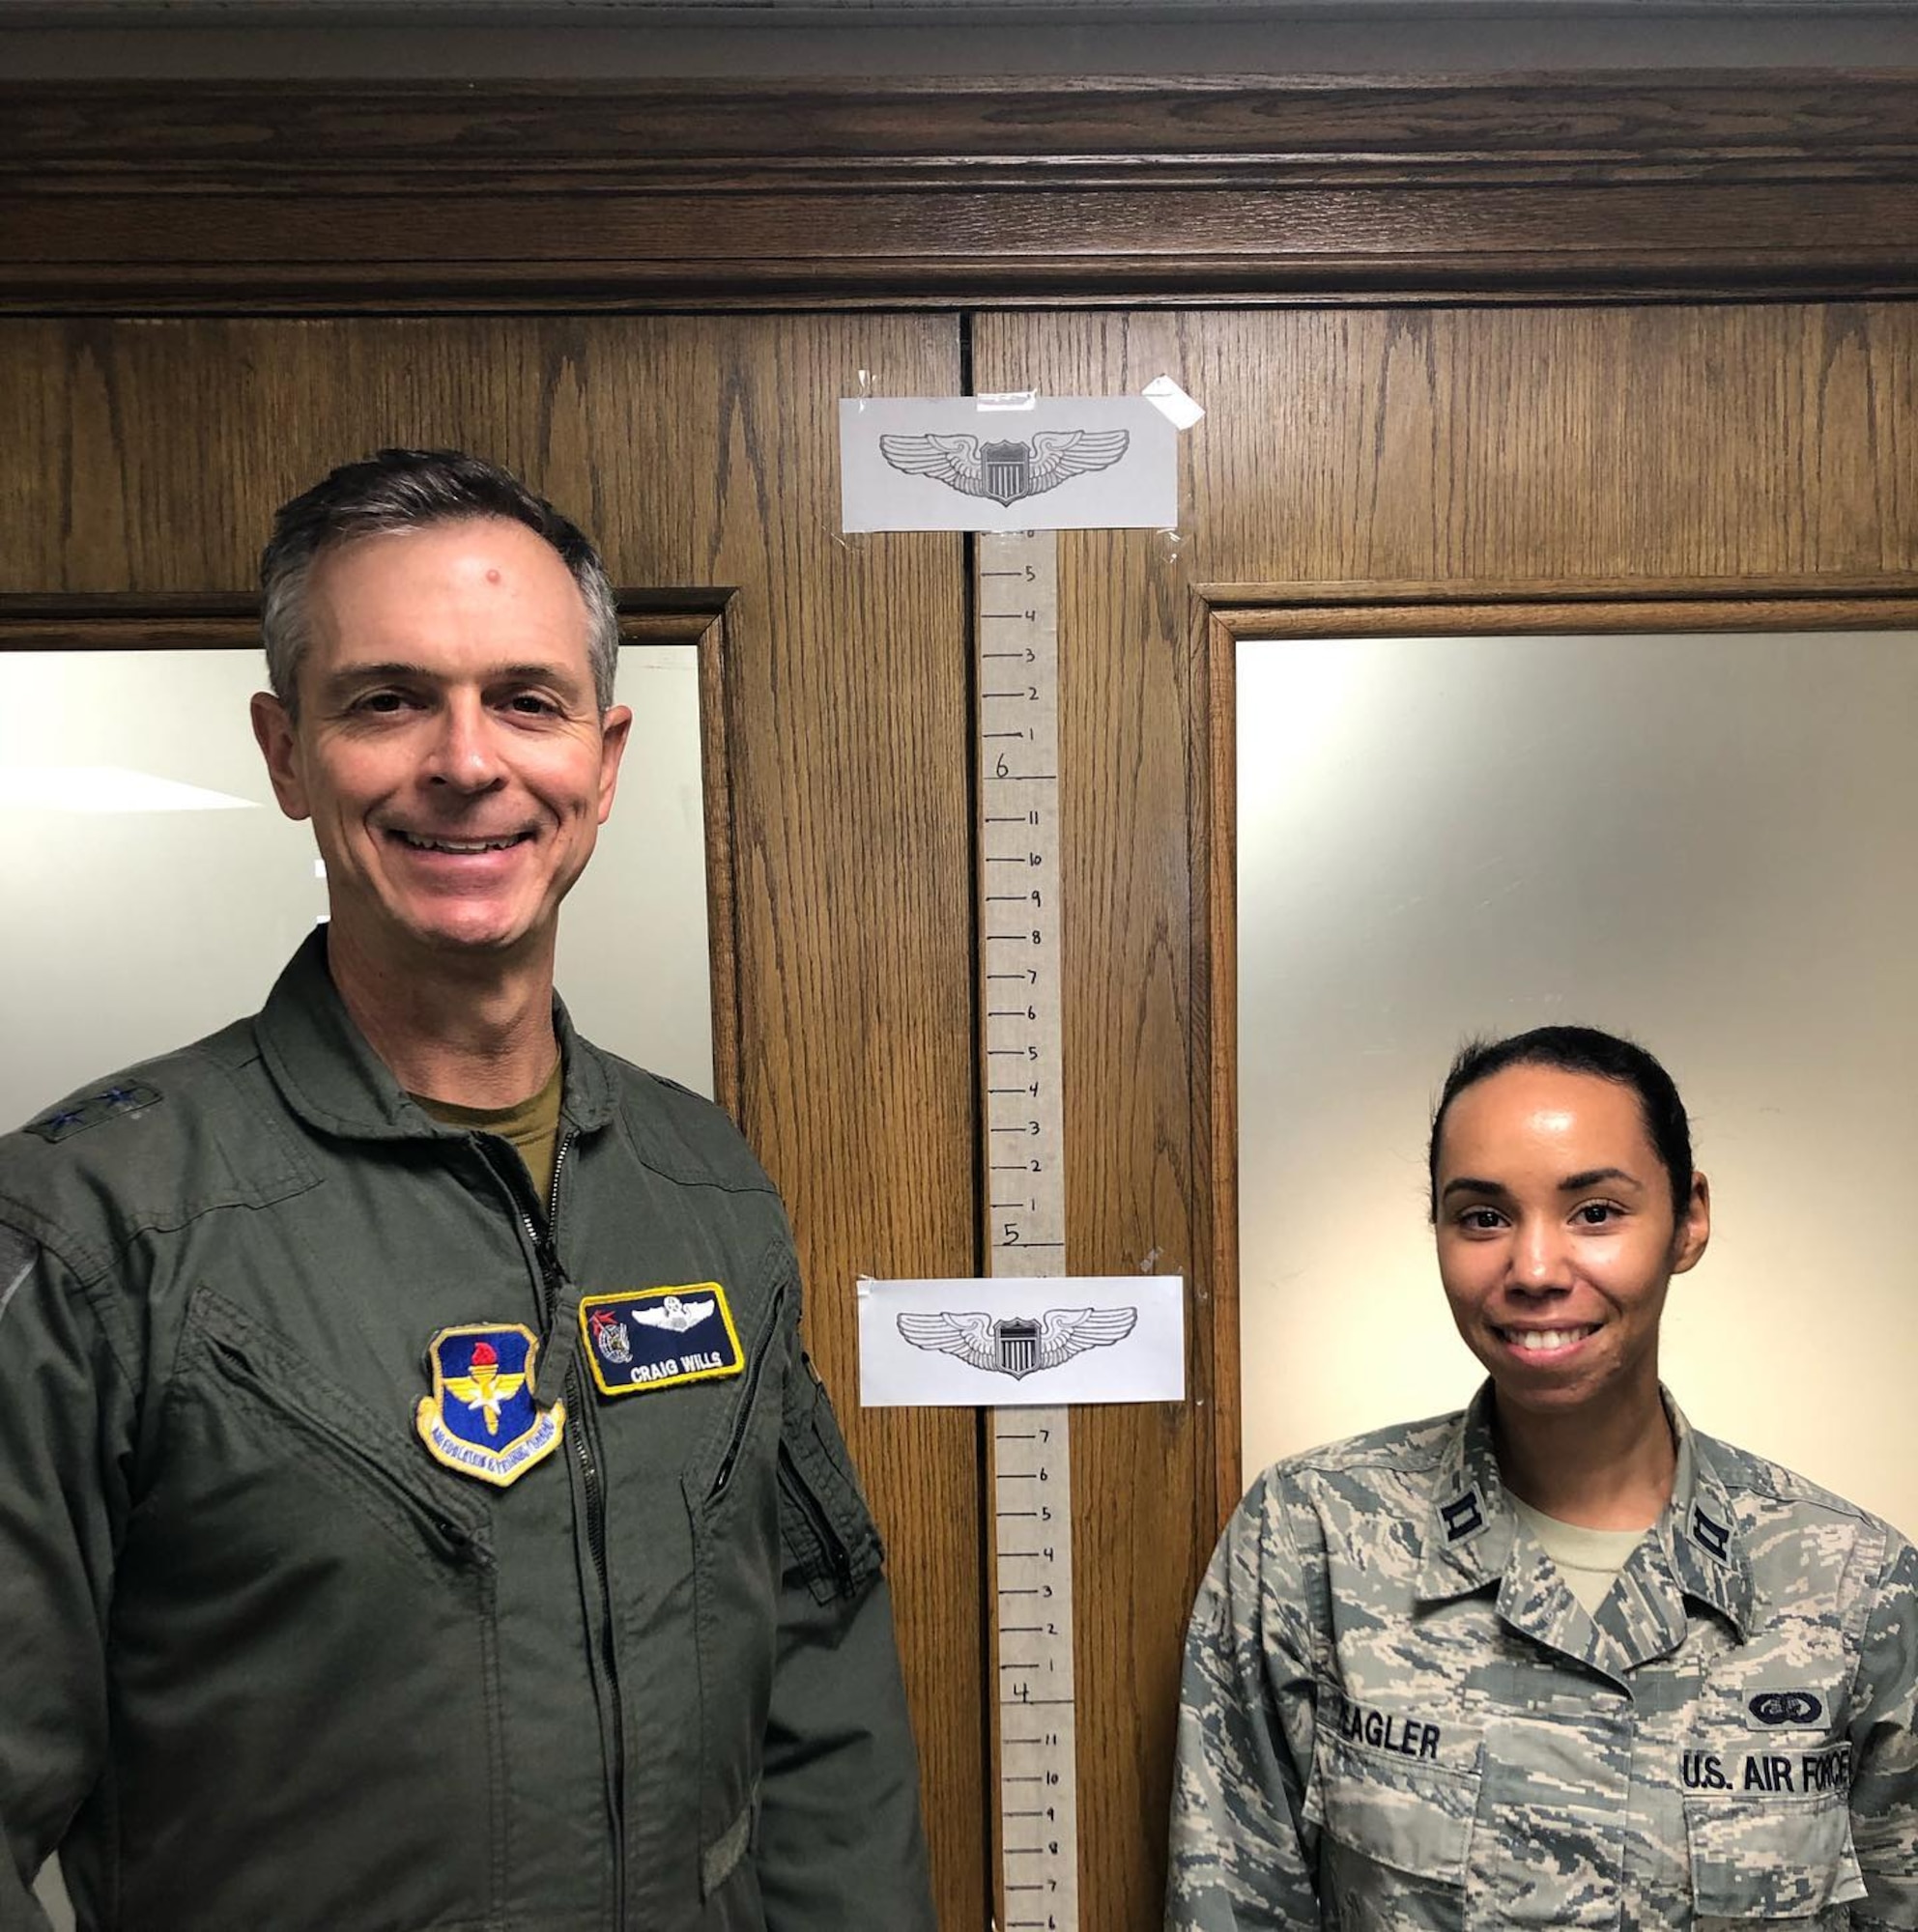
x=298, y=1560
x=1394, y=1795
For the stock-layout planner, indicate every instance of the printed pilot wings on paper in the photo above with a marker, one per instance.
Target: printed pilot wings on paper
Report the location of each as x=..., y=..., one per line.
x=997, y=1342
x=971, y=462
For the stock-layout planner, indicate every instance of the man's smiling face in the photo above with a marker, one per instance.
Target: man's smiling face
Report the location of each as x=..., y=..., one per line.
x=448, y=747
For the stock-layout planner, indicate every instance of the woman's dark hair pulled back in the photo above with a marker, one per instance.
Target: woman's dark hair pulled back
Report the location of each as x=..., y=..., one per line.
x=1577, y=1050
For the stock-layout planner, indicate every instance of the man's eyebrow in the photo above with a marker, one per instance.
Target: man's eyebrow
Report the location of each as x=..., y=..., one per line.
x=369, y=673
x=547, y=672
x=396, y=668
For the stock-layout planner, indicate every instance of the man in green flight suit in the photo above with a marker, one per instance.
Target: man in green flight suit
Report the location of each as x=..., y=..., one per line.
x=416, y=1509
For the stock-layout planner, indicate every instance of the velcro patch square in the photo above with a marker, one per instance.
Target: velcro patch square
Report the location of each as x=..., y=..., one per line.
x=651, y=1337
x=76, y=1116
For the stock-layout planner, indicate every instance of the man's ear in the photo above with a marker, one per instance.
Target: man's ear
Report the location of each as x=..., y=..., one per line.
x=616, y=727
x=279, y=746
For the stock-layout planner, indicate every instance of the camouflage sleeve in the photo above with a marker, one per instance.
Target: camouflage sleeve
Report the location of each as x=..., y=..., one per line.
x=1242, y=1855
x=1884, y=1742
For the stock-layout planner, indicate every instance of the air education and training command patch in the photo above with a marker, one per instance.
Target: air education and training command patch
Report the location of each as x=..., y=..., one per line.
x=653, y=1338
x=480, y=1418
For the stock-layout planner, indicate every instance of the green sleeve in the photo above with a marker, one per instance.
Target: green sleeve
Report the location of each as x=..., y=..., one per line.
x=840, y=1842
x=66, y=1412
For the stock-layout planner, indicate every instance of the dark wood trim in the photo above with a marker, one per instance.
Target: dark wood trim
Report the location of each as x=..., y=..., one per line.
x=147, y=624
x=1273, y=611
x=722, y=883
x=1767, y=119
x=132, y=620
x=224, y=198
x=1213, y=827
x=1652, y=610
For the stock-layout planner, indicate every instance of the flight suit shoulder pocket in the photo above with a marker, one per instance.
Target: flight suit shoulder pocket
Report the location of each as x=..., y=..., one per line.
x=1770, y=1857
x=828, y=1532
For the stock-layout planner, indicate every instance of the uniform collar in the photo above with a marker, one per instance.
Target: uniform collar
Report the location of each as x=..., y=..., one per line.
x=1700, y=1530
x=1471, y=1528
x=1696, y=1548
x=333, y=1080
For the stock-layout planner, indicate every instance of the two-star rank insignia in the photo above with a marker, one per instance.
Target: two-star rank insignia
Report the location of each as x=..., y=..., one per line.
x=481, y=1418
x=651, y=1337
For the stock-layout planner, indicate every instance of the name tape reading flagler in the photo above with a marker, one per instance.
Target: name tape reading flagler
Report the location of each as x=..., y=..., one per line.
x=1013, y=463
x=1005, y=1342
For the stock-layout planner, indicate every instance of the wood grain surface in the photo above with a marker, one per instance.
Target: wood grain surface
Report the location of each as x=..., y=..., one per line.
x=1491, y=464
x=221, y=197
x=1372, y=466
x=145, y=460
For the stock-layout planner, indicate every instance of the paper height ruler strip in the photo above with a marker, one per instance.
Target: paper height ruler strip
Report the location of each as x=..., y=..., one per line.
x=1019, y=983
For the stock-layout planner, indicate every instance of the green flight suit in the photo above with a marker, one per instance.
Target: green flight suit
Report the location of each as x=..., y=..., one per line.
x=268, y=1665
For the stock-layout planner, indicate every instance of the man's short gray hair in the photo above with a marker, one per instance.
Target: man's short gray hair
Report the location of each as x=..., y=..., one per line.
x=411, y=490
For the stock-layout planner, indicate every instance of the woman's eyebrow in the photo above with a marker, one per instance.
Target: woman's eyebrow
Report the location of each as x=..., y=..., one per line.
x=1590, y=1176
x=1468, y=1184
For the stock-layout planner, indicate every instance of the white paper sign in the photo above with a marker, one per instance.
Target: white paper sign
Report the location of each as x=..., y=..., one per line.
x=1035, y=1342
x=994, y=463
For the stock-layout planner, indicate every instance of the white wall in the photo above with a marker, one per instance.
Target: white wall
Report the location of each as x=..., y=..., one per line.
x=157, y=890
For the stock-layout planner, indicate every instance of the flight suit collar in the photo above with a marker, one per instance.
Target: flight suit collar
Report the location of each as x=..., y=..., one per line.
x=333, y=1080
x=1472, y=1541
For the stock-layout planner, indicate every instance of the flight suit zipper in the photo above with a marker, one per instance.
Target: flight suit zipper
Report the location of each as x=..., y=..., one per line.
x=559, y=1307
x=755, y=1373
x=553, y=1280
x=828, y=1564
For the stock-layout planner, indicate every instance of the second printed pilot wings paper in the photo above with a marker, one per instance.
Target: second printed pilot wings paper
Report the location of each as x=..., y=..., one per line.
x=1012, y=1342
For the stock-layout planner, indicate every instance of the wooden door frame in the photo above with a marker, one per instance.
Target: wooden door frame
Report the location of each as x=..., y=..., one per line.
x=125, y=201
x=122, y=198
x=1227, y=616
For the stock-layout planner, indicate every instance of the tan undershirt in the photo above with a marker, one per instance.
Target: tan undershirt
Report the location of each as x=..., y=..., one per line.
x=1588, y=1559
x=532, y=1127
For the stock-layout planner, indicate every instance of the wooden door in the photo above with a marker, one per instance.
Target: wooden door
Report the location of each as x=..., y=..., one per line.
x=139, y=466
x=1349, y=455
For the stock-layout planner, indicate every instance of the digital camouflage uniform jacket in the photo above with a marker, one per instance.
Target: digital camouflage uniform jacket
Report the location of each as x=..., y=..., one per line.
x=1395, y=1716
x=266, y=1665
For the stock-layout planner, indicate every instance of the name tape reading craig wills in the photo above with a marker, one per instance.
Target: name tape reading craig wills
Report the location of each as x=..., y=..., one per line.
x=1018, y=1341
x=1033, y=463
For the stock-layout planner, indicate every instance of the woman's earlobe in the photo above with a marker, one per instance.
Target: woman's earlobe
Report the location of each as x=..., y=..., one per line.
x=1694, y=1233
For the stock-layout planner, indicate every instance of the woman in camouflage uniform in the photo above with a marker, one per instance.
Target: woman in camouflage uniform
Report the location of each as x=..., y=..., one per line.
x=1561, y=1660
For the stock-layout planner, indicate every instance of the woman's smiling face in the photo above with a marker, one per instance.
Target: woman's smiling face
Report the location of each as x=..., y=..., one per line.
x=1556, y=1236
